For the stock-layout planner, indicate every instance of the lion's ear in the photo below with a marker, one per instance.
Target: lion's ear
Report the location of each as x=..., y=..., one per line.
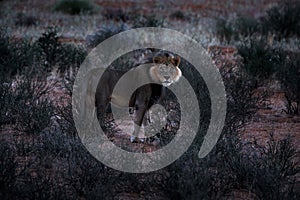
x=176, y=61
x=158, y=59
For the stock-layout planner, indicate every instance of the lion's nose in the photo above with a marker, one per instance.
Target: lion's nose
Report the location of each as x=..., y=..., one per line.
x=167, y=77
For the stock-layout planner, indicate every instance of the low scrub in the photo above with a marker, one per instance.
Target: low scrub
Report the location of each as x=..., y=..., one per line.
x=260, y=60
x=283, y=19
x=289, y=77
x=105, y=32
x=75, y=7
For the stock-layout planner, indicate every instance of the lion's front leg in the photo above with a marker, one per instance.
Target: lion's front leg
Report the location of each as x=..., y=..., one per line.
x=102, y=101
x=142, y=99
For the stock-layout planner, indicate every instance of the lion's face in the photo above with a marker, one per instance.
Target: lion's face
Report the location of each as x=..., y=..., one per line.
x=165, y=69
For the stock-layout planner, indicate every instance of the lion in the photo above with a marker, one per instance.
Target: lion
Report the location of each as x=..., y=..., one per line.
x=162, y=72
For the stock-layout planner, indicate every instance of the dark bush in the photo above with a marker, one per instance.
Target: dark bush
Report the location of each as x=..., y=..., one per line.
x=55, y=144
x=239, y=28
x=105, y=32
x=26, y=20
x=283, y=19
x=289, y=76
x=85, y=172
x=211, y=177
x=5, y=101
x=75, y=7
x=224, y=30
x=27, y=107
x=50, y=46
x=8, y=167
x=4, y=45
x=17, y=56
x=70, y=57
x=260, y=60
x=147, y=21
x=64, y=56
x=269, y=171
x=276, y=175
x=116, y=14
x=247, y=26
x=240, y=87
x=66, y=122
x=178, y=15
x=193, y=178
x=241, y=102
x=37, y=186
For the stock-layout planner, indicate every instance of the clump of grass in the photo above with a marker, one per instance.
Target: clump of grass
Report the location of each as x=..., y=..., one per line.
x=75, y=7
